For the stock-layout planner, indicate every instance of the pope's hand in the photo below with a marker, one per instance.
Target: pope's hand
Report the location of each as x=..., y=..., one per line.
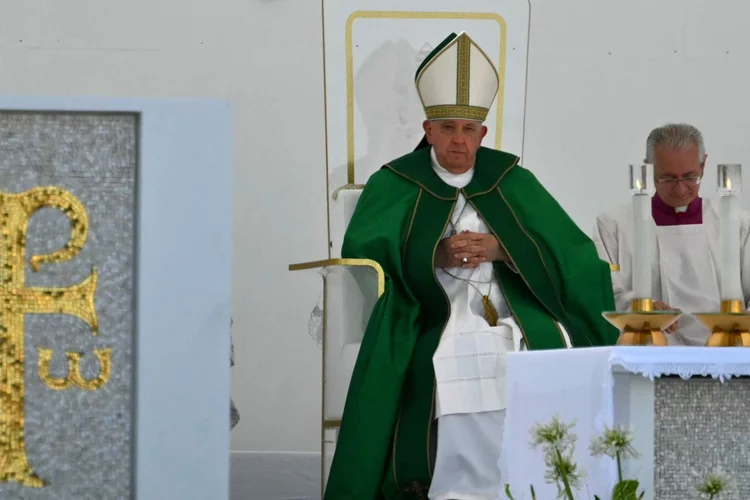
x=475, y=247
x=444, y=257
x=661, y=306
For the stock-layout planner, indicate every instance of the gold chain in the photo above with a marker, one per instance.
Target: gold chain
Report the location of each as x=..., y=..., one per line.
x=490, y=313
x=488, y=282
x=458, y=219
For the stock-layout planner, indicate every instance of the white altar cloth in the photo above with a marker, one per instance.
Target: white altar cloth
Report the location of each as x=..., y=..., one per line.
x=578, y=385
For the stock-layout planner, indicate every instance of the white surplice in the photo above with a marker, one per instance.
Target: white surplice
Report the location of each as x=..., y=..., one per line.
x=467, y=358
x=685, y=265
x=470, y=370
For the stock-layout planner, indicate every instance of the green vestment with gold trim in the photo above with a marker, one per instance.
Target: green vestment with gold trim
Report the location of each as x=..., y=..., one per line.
x=386, y=444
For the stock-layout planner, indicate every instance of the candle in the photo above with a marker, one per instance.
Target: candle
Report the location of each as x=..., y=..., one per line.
x=730, y=187
x=643, y=230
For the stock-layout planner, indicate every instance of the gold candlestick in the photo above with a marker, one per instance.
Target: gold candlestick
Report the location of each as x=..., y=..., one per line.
x=730, y=327
x=642, y=325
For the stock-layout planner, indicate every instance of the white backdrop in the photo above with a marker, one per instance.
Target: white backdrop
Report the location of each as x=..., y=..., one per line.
x=601, y=74
x=373, y=49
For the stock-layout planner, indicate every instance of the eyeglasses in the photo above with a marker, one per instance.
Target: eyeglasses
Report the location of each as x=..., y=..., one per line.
x=691, y=181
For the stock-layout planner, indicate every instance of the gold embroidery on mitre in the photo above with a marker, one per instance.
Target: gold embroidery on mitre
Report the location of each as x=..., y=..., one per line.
x=463, y=70
x=457, y=112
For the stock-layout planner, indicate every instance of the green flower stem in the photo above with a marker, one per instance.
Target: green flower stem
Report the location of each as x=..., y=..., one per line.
x=564, y=476
x=619, y=466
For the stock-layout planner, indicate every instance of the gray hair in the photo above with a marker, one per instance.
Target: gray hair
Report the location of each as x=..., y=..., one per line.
x=675, y=136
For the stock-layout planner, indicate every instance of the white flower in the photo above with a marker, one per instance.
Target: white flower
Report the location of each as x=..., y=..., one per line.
x=555, y=435
x=712, y=483
x=558, y=444
x=613, y=442
x=560, y=469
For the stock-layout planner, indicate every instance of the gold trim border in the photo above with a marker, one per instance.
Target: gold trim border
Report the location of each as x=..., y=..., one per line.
x=306, y=266
x=328, y=186
x=346, y=187
x=403, y=14
x=463, y=70
x=331, y=424
x=457, y=111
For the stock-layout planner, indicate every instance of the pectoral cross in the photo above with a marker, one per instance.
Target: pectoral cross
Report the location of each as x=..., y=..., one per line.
x=418, y=489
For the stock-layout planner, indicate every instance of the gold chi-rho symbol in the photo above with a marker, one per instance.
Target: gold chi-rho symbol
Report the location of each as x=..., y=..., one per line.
x=17, y=300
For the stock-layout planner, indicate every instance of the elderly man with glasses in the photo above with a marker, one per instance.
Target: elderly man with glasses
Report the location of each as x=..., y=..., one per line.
x=685, y=269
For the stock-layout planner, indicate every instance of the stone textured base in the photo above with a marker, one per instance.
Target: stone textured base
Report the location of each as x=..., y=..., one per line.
x=699, y=424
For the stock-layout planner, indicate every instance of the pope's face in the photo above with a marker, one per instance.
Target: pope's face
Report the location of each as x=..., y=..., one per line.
x=677, y=174
x=456, y=142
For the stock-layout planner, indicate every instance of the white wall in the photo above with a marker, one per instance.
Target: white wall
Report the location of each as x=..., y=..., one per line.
x=266, y=56
x=601, y=74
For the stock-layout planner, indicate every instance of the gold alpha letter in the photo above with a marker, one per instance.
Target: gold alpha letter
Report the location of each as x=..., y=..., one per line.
x=18, y=300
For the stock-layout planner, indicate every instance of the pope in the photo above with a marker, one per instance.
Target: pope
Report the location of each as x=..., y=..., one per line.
x=479, y=260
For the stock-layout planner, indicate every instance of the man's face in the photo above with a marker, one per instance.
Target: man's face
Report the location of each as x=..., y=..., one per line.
x=677, y=174
x=456, y=142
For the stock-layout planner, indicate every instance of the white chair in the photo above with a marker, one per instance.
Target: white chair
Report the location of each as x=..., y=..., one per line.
x=343, y=202
x=350, y=289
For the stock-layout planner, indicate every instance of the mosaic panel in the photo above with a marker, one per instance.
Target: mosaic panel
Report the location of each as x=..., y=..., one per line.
x=76, y=367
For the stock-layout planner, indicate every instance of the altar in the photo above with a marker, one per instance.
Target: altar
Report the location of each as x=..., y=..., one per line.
x=687, y=408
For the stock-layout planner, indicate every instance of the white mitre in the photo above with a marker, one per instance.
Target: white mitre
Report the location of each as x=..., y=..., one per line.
x=457, y=81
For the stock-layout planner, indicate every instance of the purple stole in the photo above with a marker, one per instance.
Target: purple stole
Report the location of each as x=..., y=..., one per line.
x=664, y=215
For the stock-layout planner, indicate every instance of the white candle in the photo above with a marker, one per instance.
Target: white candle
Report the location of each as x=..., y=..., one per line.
x=641, y=253
x=730, y=185
x=643, y=231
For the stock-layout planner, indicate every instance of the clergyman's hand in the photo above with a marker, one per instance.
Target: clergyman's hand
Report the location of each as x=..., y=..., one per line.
x=661, y=306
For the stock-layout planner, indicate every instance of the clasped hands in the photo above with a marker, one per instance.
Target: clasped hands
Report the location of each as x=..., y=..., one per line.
x=476, y=248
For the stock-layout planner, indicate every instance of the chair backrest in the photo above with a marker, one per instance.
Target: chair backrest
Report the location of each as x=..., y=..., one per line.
x=342, y=204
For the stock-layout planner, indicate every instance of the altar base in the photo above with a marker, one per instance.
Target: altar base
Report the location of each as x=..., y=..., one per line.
x=687, y=407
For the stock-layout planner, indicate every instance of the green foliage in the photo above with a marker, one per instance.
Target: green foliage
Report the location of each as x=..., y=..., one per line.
x=626, y=490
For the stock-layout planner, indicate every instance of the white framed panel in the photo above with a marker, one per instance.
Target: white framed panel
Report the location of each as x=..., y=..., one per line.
x=372, y=50
x=183, y=279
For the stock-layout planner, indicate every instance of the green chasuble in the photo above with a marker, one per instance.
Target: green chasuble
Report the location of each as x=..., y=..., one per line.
x=387, y=440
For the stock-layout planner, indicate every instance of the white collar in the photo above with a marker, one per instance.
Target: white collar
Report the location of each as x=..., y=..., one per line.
x=455, y=180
